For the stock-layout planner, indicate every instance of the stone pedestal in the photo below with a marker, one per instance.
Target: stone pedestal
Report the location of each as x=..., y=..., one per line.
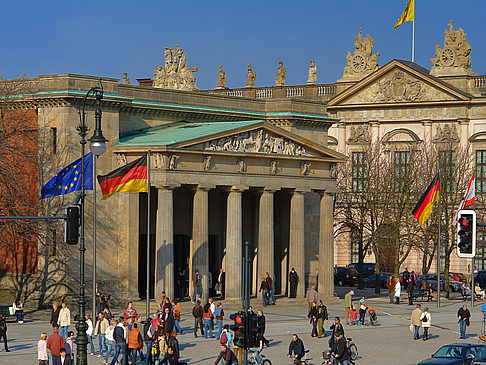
x=266, y=254
x=164, y=251
x=200, y=240
x=296, y=244
x=326, y=247
x=234, y=244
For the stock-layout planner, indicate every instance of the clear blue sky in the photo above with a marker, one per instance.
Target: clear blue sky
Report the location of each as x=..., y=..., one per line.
x=106, y=38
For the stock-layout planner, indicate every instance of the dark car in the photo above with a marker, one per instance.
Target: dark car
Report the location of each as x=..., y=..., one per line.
x=481, y=279
x=370, y=282
x=454, y=354
x=368, y=268
x=454, y=286
x=480, y=358
x=345, y=276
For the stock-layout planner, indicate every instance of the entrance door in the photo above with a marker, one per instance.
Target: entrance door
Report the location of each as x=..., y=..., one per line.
x=181, y=259
x=142, y=266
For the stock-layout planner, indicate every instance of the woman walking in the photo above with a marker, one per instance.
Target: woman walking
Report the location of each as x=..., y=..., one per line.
x=398, y=289
x=207, y=319
x=313, y=319
x=42, y=349
x=426, y=320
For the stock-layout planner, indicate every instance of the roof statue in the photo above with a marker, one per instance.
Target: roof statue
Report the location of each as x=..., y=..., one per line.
x=455, y=58
x=281, y=75
x=312, y=79
x=363, y=61
x=251, y=77
x=176, y=75
x=221, y=83
x=126, y=79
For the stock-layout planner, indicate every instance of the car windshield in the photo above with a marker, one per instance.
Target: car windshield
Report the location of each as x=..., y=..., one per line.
x=481, y=356
x=450, y=351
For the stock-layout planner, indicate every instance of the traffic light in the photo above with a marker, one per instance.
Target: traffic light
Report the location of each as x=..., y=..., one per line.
x=466, y=234
x=252, y=330
x=71, y=229
x=238, y=328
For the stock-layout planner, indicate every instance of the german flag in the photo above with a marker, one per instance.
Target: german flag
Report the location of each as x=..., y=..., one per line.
x=131, y=177
x=425, y=205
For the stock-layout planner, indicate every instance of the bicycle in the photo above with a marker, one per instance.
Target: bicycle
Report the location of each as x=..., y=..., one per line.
x=303, y=361
x=256, y=358
x=352, y=349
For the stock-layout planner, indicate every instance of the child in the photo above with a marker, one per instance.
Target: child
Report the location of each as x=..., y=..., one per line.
x=354, y=315
x=362, y=311
x=69, y=346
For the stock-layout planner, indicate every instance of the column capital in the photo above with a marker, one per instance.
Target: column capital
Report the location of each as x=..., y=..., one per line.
x=325, y=192
x=374, y=122
x=300, y=192
x=463, y=121
x=269, y=190
x=205, y=188
x=427, y=122
x=238, y=188
x=167, y=186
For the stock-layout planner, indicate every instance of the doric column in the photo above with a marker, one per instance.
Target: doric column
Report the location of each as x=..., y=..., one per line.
x=200, y=239
x=164, y=251
x=234, y=243
x=375, y=131
x=296, y=243
x=326, y=247
x=266, y=236
x=341, y=137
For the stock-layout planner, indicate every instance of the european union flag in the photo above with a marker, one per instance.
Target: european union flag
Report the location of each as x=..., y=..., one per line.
x=69, y=179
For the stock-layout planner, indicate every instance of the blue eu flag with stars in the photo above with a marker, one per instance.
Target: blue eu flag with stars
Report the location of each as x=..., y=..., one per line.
x=69, y=179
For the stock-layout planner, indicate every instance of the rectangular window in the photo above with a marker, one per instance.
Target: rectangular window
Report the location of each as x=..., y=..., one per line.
x=447, y=162
x=481, y=171
x=53, y=140
x=402, y=169
x=355, y=237
x=359, y=170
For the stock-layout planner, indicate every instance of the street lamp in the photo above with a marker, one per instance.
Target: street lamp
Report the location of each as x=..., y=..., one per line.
x=98, y=147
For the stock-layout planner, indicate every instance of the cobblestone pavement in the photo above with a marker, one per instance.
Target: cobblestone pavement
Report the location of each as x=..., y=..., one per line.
x=390, y=343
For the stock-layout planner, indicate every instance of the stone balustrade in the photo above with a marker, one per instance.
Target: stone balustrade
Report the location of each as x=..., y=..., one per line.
x=480, y=81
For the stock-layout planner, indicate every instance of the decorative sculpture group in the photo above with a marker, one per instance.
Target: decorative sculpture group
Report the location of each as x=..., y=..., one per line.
x=363, y=61
x=176, y=74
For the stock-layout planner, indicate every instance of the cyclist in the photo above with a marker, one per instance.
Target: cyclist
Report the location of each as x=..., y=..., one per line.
x=297, y=347
x=340, y=349
x=227, y=355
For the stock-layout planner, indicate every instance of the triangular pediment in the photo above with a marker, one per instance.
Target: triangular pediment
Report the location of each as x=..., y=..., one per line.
x=398, y=82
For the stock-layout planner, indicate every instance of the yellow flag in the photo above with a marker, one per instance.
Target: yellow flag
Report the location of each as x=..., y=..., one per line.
x=408, y=14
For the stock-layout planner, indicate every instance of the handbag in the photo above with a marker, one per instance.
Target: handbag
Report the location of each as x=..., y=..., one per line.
x=411, y=328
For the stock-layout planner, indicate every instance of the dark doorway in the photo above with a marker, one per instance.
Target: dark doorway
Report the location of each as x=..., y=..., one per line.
x=142, y=267
x=214, y=263
x=181, y=259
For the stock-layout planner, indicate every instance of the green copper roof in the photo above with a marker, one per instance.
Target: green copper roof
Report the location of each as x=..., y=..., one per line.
x=179, y=132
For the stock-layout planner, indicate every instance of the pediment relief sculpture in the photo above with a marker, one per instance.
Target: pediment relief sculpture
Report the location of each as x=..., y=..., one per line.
x=455, y=57
x=359, y=135
x=175, y=75
x=447, y=133
x=257, y=141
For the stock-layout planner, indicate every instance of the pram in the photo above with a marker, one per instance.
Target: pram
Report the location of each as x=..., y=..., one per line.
x=373, y=318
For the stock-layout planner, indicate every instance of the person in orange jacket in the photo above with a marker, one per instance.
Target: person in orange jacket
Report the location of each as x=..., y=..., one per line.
x=135, y=344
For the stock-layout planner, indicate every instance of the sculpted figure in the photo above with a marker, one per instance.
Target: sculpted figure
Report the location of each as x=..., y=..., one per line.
x=251, y=77
x=221, y=83
x=173, y=162
x=242, y=165
x=281, y=75
x=363, y=61
x=207, y=163
x=125, y=79
x=305, y=168
x=121, y=159
x=176, y=74
x=312, y=79
x=273, y=167
x=159, y=161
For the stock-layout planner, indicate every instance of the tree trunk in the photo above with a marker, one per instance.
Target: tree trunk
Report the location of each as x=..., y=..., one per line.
x=446, y=275
x=378, y=271
x=360, y=260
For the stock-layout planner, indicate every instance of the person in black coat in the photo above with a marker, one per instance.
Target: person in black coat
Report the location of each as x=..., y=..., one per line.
x=410, y=285
x=296, y=347
x=67, y=359
x=169, y=321
x=313, y=319
x=3, y=331
x=463, y=316
x=55, y=314
x=336, y=327
x=294, y=282
x=339, y=348
x=171, y=357
x=261, y=330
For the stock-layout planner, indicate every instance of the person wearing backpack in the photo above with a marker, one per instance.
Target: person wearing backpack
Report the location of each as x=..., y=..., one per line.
x=226, y=336
x=3, y=331
x=148, y=338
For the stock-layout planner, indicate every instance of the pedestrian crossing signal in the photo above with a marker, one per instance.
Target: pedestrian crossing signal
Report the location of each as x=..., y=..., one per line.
x=466, y=234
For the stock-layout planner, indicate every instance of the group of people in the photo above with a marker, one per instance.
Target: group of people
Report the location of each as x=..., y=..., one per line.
x=419, y=320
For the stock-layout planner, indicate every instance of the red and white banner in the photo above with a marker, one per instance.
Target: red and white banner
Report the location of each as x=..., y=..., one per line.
x=468, y=197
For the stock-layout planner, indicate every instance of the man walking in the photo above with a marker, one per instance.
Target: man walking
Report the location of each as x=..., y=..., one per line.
x=101, y=326
x=390, y=285
x=120, y=343
x=463, y=316
x=197, y=313
x=415, y=321
x=348, y=301
x=321, y=317
x=264, y=290
x=64, y=321
x=3, y=331
x=294, y=282
x=410, y=286
x=270, y=289
x=311, y=296
x=196, y=282
x=55, y=343
x=405, y=275
x=221, y=282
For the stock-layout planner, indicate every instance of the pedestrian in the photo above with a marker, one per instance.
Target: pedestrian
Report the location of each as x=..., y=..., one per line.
x=426, y=320
x=405, y=275
x=410, y=284
x=463, y=316
x=172, y=342
x=416, y=322
x=221, y=282
x=42, y=348
x=218, y=316
x=226, y=336
x=362, y=310
x=227, y=355
x=270, y=289
x=261, y=324
x=101, y=326
x=55, y=343
x=181, y=285
x=264, y=291
x=321, y=317
x=294, y=282
x=110, y=341
x=207, y=315
x=413, y=276
x=18, y=310
x=55, y=315
x=168, y=321
x=197, y=313
x=162, y=347
x=213, y=308
x=135, y=344
x=64, y=320
x=130, y=314
x=89, y=334
x=335, y=327
x=340, y=349
x=390, y=285
x=120, y=342
x=148, y=336
x=69, y=345
x=176, y=313
x=348, y=302
x=64, y=358
x=171, y=357
x=398, y=289
x=311, y=296
x=354, y=315
x=196, y=282
x=3, y=331
x=313, y=319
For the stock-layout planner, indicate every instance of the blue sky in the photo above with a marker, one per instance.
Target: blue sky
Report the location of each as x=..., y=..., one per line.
x=106, y=38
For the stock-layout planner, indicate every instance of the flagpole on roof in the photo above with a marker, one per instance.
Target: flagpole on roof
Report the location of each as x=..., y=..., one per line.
x=438, y=241
x=148, y=238
x=413, y=39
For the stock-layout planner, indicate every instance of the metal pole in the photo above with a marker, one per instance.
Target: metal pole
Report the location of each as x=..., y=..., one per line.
x=413, y=40
x=246, y=299
x=472, y=282
x=94, y=237
x=148, y=238
x=243, y=296
x=438, y=244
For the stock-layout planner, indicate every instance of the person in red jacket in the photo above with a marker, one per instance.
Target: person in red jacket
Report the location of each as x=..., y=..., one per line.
x=55, y=343
x=130, y=314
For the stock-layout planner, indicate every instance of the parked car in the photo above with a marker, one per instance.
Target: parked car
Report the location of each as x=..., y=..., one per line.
x=457, y=276
x=454, y=286
x=368, y=268
x=370, y=281
x=345, y=276
x=480, y=358
x=481, y=279
x=454, y=354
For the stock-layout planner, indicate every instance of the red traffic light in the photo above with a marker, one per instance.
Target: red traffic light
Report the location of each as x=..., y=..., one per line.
x=238, y=320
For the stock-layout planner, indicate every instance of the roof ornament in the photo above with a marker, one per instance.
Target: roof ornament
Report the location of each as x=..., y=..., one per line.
x=176, y=75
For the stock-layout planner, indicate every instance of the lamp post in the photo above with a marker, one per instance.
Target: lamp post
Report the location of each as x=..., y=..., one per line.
x=97, y=146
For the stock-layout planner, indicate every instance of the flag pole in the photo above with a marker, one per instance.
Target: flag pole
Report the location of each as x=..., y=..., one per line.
x=413, y=40
x=438, y=242
x=148, y=239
